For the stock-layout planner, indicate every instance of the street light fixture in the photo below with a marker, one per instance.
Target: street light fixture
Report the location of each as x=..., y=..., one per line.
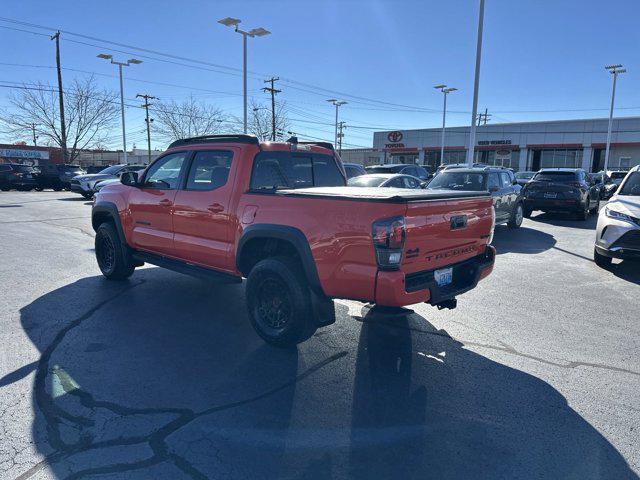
x=614, y=70
x=446, y=91
x=131, y=61
x=255, y=32
x=337, y=104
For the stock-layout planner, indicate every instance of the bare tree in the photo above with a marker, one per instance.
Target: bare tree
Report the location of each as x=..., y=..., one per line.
x=260, y=121
x=90, y=113
x=189, y=118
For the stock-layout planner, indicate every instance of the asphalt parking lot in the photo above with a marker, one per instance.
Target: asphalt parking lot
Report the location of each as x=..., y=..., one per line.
x=536, y=374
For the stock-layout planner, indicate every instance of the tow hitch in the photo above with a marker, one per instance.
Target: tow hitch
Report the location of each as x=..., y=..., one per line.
x=450, y=304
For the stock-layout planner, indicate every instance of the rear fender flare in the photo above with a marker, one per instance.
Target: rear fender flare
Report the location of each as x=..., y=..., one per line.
x=290, y=234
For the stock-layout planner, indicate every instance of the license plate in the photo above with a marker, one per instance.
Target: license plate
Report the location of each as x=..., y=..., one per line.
x=551, y=195
x=443, y=276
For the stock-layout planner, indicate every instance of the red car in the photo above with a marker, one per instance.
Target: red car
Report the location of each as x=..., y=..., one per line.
x=281, y=215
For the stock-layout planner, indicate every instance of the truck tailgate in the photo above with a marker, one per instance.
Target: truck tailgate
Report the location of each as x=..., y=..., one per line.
x=443, y=232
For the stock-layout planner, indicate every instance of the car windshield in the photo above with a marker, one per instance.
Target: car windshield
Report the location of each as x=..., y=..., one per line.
x=69, y=168
x=366, y=181
x=555, y=177
x=524, y=175
x=632, y=185
x=452, y=180
x=384, y=169
x=112, y=170
x=353, y=171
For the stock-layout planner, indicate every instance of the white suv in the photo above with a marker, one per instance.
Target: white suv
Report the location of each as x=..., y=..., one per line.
x=618, y=232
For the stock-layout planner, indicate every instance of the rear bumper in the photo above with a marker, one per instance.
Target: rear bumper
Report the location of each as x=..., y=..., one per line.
x=552, y=205
x=396, y=289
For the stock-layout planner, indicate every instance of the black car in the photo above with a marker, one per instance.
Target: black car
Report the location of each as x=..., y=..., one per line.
x=389, y=180
x=562, y=190
x=354, y=170
x=56, y=176
x=498, y=181
x=404, y=168
x=19, y=177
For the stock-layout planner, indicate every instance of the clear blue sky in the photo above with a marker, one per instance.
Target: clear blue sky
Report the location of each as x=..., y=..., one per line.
x=542, y=59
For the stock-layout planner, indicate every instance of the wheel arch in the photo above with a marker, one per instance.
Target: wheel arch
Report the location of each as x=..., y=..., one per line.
x=259, y=236
x=107, y=212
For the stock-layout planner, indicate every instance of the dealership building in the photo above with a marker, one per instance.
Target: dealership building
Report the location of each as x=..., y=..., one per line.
x=521, y=146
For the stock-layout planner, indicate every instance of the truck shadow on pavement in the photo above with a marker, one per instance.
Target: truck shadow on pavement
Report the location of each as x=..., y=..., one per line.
x=163, y=377
x=521, y=240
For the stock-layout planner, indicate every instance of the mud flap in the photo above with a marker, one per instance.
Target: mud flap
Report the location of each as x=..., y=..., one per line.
x=324, y=312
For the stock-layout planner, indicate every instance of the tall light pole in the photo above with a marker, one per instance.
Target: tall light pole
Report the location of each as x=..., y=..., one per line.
x=446, y=91
x=614, y=70
x=337, y=104
x=131, y=61
x=255, y=32
x=476, y=84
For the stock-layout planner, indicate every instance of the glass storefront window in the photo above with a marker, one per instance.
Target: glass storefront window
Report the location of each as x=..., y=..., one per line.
x=560, y=158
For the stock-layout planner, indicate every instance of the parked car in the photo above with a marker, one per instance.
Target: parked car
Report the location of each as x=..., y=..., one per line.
x=404, y=168
x=281, y=215
x=354, y=170
x=95, y=168
x=452, y=166
x=84, y=184
x=499, y=182
x=618, y=230
x=561, y=190
x=103, y=183
x=56, y=176
x=18, y=177
x=523, y=177
x=614, y=179
x=393, y=180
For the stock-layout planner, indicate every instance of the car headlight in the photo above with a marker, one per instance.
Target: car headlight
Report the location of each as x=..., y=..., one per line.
x=611, y=213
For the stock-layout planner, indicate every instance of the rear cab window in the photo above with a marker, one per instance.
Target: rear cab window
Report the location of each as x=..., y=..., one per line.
x=555, y=177
x=286, y=170
x=209, y=170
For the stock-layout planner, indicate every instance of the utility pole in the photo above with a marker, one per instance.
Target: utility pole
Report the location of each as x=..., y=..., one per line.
x=337, y=103
x=273, y=92
x=148, y=120
x=614, y=70
x=341, y=125
x=476, y=86
x=483, y=118
x=33, y=131
x=63, y=128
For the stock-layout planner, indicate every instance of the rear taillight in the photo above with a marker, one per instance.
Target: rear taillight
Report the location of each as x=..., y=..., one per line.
x=388, y=240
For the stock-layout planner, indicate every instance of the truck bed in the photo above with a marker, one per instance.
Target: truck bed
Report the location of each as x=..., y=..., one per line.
x=376, y=194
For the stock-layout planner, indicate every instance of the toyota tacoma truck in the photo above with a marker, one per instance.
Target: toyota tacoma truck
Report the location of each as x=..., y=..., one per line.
x=279, y=214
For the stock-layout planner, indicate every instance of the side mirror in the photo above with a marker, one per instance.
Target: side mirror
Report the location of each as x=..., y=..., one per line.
x=130, y=179
x=515, y=182
x=493, y=189
x=424, y=184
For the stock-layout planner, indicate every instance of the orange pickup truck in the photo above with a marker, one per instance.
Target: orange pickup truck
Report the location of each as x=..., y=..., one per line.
x=280, y=215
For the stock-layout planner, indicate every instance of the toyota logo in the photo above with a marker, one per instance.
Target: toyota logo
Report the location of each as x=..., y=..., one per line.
x=394, y=137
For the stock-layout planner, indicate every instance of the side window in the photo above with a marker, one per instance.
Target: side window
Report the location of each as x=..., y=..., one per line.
x=409, y=171
x=165, y=173
x=410, y=182
x=493, y=181
x=505, y=180
x=396, y=183
x=209, y=170
x=276, y=170
x=325, y=172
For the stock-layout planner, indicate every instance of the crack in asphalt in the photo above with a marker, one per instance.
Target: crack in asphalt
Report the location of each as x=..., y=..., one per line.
x=156, y=440
x=504, y=347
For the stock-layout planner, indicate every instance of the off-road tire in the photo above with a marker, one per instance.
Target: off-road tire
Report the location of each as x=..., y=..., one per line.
x=515, y=221
x=279, y=302
x=113, y=261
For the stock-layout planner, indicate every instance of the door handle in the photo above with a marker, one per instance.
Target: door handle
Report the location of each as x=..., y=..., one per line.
x=165, y=203
x=215, y=208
